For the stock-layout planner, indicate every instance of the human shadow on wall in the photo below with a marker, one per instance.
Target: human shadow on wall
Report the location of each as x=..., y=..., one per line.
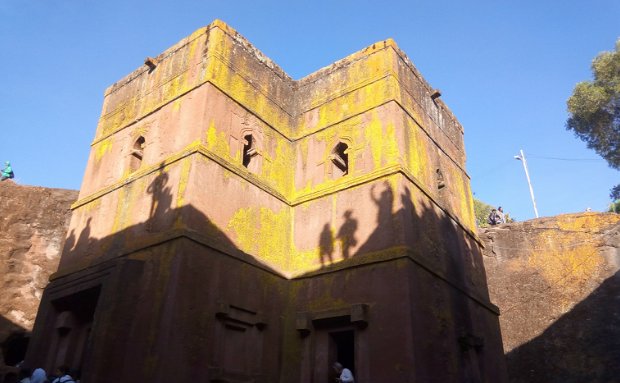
x=346, y=233
x=423, y=232
x=583, y=345
x=83, y=241
x=428, y=233
x=326, y=245
x=445, y=262
x=347, y=230
x=383, y=233
x=86, y=255
x=161, y=194
x=163, y=223
x=345, y=237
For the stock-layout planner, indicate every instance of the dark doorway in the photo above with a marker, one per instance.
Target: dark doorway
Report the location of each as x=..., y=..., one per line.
x=14, y=348
x=342, y=348
x=73, y=323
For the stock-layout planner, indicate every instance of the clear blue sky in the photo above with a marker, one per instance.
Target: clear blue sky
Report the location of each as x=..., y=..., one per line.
x=505, y=69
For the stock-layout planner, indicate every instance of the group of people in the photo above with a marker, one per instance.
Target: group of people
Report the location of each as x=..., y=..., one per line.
x=40, y=376
x=496, y=216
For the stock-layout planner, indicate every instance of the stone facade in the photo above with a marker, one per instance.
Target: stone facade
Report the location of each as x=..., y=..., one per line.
x=33, y=226
x=239, y=226
x=557, y=282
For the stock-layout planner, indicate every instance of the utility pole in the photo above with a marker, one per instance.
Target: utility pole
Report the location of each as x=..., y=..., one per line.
x=521, y=158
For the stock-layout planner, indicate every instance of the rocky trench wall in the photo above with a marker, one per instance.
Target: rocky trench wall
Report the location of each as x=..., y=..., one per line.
x=557, y=284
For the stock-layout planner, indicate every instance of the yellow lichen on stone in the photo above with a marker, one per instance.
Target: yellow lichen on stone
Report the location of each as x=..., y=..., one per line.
x=176, y=105
x=305, y=260
x=196, y=40
x=569, y=256
x=186, y=167
x=175, y=87
x=101, y=148
x=565, y=259
x=264, y=233
x=463, y=197
x=383, y=145
x=577, y=224
x=91, y=206
x=229, y=73
x=277, y=169
x=416, y=158
x=217, y=142
x=390, y=145
x=358, y=101
x=123, y=200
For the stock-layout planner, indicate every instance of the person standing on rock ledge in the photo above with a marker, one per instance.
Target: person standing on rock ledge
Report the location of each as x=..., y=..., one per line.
x=7, y=172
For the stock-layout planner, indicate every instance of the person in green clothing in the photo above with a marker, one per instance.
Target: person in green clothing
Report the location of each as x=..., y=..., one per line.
x=7, y=172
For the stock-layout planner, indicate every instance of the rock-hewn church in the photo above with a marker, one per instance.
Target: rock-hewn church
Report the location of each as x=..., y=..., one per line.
x=236, y=225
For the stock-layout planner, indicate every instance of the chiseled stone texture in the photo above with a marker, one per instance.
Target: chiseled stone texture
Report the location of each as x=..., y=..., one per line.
x=33, y=224
x=557, y=284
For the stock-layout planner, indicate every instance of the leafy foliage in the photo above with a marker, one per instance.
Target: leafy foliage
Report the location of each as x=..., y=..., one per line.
x=615, y=193
x=615, y=197
x=594, y=108
x=481, y=211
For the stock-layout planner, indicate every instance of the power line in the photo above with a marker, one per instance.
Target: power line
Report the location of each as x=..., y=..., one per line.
x=493, y=170
x=565, y=159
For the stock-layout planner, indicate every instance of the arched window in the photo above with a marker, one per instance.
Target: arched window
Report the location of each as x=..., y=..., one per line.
x=340, y=160
x=137, y=152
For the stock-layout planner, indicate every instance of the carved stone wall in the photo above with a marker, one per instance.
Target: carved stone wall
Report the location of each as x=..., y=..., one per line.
x=557, y=283
x=33, y=225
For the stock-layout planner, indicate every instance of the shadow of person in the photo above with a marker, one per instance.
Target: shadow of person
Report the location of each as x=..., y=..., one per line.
x=162, y=195
x=383, y=234
x=159, y=191
x=411, y=222
x=346, y=234
x=84, y=239
x=407, y=203
x=384, y=203
x=326, y=245
x=69, y=243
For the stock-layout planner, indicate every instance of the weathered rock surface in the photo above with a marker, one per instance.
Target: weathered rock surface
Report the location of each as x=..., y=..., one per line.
x=33, y=225
x=557, y=284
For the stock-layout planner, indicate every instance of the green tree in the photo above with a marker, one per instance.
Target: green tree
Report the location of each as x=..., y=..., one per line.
x=594, y=108
x=615, y=198
x=481, y=211
x=614, y=194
